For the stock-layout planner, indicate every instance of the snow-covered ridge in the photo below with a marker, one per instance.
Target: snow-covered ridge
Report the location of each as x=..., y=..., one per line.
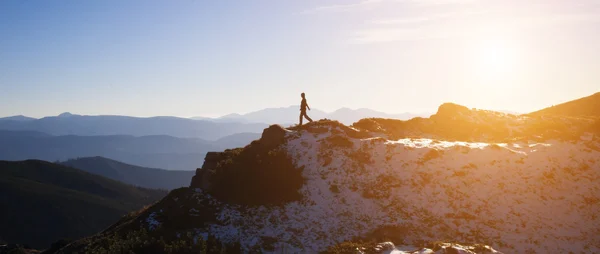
x=517, y=197
x=520, y=196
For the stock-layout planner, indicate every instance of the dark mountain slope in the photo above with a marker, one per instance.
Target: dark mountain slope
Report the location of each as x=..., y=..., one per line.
x=586, y=106
x=43, y=202
x=139, y=176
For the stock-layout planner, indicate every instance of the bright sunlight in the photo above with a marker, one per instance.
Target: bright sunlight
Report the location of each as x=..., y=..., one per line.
x=495, y=59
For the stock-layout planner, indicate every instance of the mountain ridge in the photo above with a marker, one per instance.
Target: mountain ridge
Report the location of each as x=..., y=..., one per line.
x=584, y=106
x=152, y=178
x=18, y=118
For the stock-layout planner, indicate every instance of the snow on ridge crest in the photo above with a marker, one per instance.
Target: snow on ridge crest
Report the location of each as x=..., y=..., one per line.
x=514, y=197
x=540, y=196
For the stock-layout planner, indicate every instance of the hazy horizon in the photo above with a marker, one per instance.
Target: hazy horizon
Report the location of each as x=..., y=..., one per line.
x=196, y=58
x=244, y=113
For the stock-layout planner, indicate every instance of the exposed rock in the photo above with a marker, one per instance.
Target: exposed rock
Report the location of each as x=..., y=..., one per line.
x=261, y=173
x=273, y=136
x=201, y=179
x=451, y=110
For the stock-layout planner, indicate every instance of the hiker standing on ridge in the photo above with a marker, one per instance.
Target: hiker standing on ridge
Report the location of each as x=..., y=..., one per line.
x=303, y=107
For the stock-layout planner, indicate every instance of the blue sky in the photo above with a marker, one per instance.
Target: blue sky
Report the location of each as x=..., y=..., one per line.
x=210, y=58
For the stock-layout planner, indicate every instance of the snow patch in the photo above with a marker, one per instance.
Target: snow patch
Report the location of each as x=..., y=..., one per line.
x=152, y=222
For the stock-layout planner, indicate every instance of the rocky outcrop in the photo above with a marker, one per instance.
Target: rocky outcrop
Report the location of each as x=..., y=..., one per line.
x=201, y=179
x=262, y=173
x=451, y=110
x=271, y=138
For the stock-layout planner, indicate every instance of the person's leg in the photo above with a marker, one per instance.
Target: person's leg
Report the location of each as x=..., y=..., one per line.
x=301, y=118
x=309, y=120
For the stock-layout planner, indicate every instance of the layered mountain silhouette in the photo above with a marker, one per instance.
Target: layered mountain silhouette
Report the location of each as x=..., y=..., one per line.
x=491, y=180
x=134, y=175
x=70, y=124
x=43, y=202
x=289, y=115
x=147, y=151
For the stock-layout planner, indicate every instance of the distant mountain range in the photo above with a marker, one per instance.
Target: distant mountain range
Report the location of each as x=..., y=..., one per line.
x=69, y=124
x=289, y=115
x=147, y=151
x=203, y=127
x=195, y=127
x=43, y=202
x=138, y=176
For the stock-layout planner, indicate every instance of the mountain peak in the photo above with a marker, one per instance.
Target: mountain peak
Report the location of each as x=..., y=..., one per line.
x=65, y=114
x=232, y=115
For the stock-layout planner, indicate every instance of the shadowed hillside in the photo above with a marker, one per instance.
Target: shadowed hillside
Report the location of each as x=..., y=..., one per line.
x=138, y=176
x=43, y=202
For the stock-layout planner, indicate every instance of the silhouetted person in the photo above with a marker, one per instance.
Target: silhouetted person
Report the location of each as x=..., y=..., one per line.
x=303, y=107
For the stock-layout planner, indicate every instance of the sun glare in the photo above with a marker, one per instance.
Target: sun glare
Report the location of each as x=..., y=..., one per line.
x=495, y=60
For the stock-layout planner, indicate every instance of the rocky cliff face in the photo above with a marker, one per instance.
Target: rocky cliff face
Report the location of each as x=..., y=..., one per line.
x=304, y=190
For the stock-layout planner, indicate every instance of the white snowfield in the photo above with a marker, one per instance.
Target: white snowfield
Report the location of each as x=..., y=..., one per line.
x=516, y=197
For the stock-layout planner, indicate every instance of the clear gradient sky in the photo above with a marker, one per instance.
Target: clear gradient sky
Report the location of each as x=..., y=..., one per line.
x=209, y=58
